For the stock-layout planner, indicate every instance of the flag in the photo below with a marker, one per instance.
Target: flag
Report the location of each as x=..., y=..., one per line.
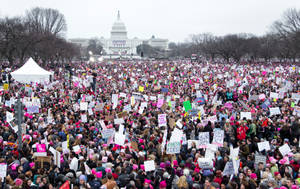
x=66, y=185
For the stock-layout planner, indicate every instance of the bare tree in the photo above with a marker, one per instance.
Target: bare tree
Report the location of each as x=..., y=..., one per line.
x=43, y=20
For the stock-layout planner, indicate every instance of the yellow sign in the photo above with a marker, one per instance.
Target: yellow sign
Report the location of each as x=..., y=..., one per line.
x=6, y=86
x=141, y=88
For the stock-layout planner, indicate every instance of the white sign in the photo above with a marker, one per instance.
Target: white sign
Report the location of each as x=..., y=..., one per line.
x=83, y=106
x=275, y=111
x=218, y=137
x=247, y=115
x=149, y=165
x=3, y=169
x=284, y=149
x=162, y=120
x=205, y=163
x=263, y=146
x=203, y=139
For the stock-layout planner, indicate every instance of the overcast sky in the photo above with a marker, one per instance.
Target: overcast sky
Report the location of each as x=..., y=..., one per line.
x=172, y=19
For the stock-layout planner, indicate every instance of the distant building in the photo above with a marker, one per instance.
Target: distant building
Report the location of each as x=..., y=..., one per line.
x=120, y=44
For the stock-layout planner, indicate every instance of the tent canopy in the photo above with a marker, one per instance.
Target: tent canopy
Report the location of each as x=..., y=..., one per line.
x=31, y=72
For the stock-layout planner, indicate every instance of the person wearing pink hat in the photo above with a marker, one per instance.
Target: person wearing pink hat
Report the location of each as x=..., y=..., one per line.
x=163, y=185
x=253, y=180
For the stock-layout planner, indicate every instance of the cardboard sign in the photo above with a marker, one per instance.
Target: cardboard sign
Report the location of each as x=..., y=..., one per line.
x=173, y=148
x=203, y=139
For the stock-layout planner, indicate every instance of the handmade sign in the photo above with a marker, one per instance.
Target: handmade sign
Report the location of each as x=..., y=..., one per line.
x=173, y=148
x=263, y=146
x=275, y=111
x=149, y=165
x=32, y=109
x=218, y=137
x=107, y=133
x=83, y=106
x=285, y=149
x=162, y=120
x=246, y=115
x=205, y=163
x=3, y=170
x=187, y=105
x=203, y=139
x=260, y=158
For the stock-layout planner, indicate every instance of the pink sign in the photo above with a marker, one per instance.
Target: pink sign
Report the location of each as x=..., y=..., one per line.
x=41, y=147
x=160, y=103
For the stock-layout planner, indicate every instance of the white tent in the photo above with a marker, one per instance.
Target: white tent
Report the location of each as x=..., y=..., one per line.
x=31, y=72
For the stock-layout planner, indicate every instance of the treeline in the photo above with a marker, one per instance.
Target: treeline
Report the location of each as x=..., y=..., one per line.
x=40, y=34
x=282, y=42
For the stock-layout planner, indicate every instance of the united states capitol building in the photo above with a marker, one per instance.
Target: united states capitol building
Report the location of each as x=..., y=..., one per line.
x=119, y=44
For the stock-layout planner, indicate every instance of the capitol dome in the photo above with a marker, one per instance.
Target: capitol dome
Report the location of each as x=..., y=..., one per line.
x=118, y=29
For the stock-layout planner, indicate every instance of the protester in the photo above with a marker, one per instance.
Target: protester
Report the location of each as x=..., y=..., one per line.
x=154, y=125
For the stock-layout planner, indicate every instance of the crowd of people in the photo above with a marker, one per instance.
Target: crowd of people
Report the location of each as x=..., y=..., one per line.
x=154, y=125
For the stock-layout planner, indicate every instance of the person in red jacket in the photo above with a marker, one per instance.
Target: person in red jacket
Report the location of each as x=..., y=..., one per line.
x=241, y=132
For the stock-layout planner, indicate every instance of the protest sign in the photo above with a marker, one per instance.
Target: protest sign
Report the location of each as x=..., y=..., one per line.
x=173, y=148
x=203, y=139
x=149, y=165
x=229, y=168
x=260, y=158
x=32, y=109
x=274, y=95
x=263, y=146
x=119, y=121
x=83, y=106
x=3, y=171
x=107, y=133
x=119, y=139
x=285, y=149
x=83, y=118
x=218, y=137
x=275, y=111
x=246, y=115
x=205, y=163
x=9, y=116
x=160, y=102
x=187, y=105
x=212, y=119
x=162, y=120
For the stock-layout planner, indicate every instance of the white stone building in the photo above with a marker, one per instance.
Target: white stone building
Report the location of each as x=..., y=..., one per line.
x=120, y=44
